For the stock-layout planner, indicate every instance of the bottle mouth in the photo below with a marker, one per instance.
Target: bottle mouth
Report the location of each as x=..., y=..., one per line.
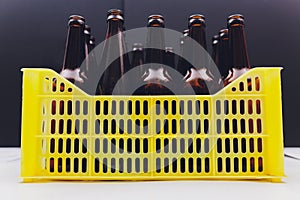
x=87, y=33
x=156, y=23
x=91, y=42
x=115, y=17
x=156, y=16
x=92, y=39
x=115, y=14
x=76, y=23
x=76, y=20
x=214, y=42
x=236, y=22
x=77, y=17
x=223, y=34
x=215, y=39
x=235, y=16
x=225, y=30
x=115, y=11
x=196, y=22
x=87, y=28
x=196, y=16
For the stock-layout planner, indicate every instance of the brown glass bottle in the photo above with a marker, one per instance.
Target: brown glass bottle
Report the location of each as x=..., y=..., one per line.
x=91, y=43
x=84, y=72
x=198, y=79
x=137, y=62
x=239, y=59
x=216, y=68
x=197, y=29
x=235, y=16
x=239, y=62
x=216, y=56
x=75, y=49
x=215, y=49
x=224, y=57
x=155, y=74
x=90, y=64
x=115, y=70
x=183, y=66
x=91, y=56
x=74, y=55
x=169, y=58
x=73, y=58
x=169, y=61
x=138, y=58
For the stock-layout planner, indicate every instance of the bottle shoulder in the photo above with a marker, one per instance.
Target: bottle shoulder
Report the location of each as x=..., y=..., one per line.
x=72, y=74
x=234, y=73
x=156, y=75
x=196, y=74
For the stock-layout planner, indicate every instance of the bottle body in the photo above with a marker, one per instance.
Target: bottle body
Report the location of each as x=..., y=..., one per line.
x=169, y=62
x=85, y=70
x=224, y=58
x=217, y=54
x=183, y=66
x=74, y=55
x=198, y=77
x=137, y=62
x=73, y=58
x=113, y=71
x=92, y=67
x=216, y=49
x=239, y=59
x=155, y=76
x=75, y=49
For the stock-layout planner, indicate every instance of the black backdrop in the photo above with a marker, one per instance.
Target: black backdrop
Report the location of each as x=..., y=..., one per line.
x=33, y=33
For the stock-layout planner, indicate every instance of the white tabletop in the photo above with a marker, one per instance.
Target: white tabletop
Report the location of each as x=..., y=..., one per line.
x=11, y=186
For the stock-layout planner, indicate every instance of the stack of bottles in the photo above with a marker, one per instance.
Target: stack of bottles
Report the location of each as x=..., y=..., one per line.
x=153, y=75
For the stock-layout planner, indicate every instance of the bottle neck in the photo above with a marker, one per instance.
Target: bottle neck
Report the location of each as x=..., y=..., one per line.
x=182, y=65
x=87, y=41
x=137, y=58
x=185, y=45
x=169, y=59
x=224, y=57
x=75, y=48
x=115, y=46
x=238, y=47
x=90, y=47
x=115, y=26
x=156, y=45
x=198, y=57
x=216, y=52
x=113, y=58
x=198, y=33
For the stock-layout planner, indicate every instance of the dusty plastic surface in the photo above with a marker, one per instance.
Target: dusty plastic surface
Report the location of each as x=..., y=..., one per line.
x=234, y=134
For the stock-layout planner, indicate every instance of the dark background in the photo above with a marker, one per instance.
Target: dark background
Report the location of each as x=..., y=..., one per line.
x=33, y=34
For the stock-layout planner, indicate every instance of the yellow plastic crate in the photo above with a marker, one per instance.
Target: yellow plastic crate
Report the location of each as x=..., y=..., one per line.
x=69, y=135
